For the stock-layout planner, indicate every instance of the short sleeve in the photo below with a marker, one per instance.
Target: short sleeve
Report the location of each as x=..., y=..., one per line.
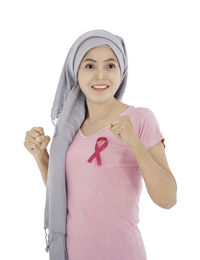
x=149, y=130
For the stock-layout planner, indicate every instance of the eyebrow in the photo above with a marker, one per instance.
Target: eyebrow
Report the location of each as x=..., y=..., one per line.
x=111, y=59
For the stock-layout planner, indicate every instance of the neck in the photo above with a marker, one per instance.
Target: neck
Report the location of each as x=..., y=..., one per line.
x=98, y=112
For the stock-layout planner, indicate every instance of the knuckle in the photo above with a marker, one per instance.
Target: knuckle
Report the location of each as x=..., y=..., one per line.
x=27, y=138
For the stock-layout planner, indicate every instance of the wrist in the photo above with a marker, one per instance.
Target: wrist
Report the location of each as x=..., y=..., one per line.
x=43, y=158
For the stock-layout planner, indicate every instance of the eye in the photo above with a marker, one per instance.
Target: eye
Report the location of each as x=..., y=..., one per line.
x=112, y=65
x=108, y=65
x=88, y=65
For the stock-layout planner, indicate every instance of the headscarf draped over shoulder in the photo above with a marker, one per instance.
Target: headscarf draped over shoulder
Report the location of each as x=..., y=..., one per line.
x=69, y=109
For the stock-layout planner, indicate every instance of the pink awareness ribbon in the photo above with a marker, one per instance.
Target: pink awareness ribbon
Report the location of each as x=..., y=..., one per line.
x=98, y=150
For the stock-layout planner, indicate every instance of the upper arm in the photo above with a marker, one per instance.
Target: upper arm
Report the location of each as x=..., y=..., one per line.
x=157, y=152
x=149, y=130
x=152, y=138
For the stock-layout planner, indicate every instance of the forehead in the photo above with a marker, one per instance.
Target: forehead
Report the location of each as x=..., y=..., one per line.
x=100, y=50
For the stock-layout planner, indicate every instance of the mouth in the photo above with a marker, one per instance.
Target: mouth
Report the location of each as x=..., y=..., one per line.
x=99, y=87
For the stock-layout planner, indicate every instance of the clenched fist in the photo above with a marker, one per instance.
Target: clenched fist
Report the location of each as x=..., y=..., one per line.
x=36, y=142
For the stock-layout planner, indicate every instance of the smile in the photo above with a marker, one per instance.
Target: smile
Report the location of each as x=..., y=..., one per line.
x=100, y=88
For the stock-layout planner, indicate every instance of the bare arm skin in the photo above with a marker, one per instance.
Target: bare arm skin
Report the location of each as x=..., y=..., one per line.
x=43, y=166
x=36, y=143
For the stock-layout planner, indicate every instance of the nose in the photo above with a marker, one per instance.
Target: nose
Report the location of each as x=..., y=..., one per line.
x=100, y=74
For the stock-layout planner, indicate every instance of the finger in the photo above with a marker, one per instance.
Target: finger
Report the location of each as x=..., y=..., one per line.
x=34, y=140
x=35, y=149
x=29, y=138
x=115, y=127
x=116, y=132
x=39, y=130
x=34, y=134
x=38, y=141
x=116, y=121
x=31, y=146
x=45, y=142
x=40, y=138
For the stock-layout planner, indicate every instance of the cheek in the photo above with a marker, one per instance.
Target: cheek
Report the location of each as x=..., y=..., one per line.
x=117, y=73
x=115, y=77
x=82, y=77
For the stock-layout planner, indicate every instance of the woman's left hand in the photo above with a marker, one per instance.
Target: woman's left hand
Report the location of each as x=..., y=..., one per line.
x=123, y=128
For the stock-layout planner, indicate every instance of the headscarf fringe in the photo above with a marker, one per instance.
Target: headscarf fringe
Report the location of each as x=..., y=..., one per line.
x=47, y=240
x=54, y=236
x=68, y=113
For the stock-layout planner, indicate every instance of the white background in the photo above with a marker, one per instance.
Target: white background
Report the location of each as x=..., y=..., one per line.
x=162, y=40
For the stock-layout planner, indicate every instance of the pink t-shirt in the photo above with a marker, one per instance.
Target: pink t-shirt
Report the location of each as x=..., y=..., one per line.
x=103, y=200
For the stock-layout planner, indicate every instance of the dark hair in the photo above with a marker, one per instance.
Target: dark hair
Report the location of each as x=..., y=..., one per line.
x=86, y=110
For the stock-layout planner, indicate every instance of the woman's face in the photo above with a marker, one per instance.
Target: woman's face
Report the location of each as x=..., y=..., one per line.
x=99, y=66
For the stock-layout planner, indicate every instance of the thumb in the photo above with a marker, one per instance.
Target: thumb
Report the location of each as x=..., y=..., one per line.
x=45, y=142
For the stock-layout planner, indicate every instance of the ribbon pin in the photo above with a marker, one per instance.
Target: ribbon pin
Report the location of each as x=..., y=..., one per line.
x=98, y=150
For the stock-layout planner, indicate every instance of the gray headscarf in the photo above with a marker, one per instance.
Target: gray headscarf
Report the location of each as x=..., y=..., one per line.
x=69, y=108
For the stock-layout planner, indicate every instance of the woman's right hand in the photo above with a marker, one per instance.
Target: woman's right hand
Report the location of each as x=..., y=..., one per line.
x=36, y=143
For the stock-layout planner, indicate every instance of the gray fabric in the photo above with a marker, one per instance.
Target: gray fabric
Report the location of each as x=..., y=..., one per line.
x=69, y=110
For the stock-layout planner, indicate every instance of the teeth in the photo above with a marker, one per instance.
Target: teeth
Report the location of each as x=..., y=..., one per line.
x=99, y=86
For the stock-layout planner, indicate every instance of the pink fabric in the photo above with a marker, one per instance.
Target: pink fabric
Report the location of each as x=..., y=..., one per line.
x=103, y=200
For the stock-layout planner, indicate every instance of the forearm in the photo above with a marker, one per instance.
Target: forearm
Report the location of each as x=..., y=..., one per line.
x=43, y=166
x=161, y=186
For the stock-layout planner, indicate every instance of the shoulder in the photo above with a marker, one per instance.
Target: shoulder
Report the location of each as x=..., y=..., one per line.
x=139, y=112
x=142, y=118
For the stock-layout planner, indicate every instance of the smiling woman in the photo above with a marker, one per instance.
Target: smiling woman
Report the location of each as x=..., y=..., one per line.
x=68, y=113
x=99, y=77
x=100, y=70
x=94, y=181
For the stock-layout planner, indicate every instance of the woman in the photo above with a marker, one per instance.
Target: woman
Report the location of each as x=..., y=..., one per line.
x=100, y=151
